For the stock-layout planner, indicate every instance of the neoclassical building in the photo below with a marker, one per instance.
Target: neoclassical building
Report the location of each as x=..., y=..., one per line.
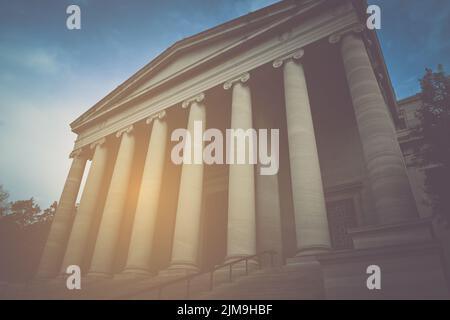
x=341, y=200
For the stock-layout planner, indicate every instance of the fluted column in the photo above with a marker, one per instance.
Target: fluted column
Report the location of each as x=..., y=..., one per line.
x=140, y=249
x=102, y=263
x=60, y=229
x=385, y=165
x=311, y=222
x=185, y=246
x=241, y=231
x=79, y=235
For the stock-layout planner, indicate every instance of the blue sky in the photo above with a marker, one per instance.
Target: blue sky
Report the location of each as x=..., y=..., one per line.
x=50, y=75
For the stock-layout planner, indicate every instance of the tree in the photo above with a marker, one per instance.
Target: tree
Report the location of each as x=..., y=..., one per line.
x=25, y=212
x=4, y=205
x=49, y=213
x=435, y=131
x=23, y=233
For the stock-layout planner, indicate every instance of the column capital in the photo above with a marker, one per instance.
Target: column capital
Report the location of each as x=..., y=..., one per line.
x=77, y=153
x=160, y=115
x=97, y=143
x=243, y=78
x=128, y=129
x=296, y=55
x=197, y=98
x=354, y=28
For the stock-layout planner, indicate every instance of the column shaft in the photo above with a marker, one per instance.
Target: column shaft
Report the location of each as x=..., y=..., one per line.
x=311, y=222
x=139, y=253
x=187, y=225
x=384, y=160
x=79, y=236
x=241, y=238
x=60, y=229
x=102, y=263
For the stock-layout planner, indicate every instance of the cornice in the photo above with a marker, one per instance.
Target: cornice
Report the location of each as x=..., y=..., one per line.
x=356, y=28
x=292, y=13
x=257, y=17
x=315, y=29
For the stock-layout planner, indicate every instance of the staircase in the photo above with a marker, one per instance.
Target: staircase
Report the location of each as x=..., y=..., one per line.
x=301, y=280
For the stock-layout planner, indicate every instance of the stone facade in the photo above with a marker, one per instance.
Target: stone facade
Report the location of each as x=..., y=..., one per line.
x=308, y=68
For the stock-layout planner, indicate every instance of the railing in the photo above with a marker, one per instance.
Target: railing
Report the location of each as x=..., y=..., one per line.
x=189, y=278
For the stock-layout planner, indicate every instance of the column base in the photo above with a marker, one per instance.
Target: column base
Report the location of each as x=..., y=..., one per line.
x=54, y=281
x=40, y=280
x=179, y=269
x=99, y=275
x=307, y=255
x=312, y=250
x=134, y=272
x=45, y=277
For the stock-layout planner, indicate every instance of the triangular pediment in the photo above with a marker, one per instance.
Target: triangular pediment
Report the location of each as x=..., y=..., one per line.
x=187, y=58
x=190, y=53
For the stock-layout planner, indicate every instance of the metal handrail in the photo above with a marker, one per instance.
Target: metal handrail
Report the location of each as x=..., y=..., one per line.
x=188, y=278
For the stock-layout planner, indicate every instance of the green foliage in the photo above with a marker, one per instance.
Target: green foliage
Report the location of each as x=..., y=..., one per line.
x=49, y=213
x=435, y=130
x=24, y=212
x=23, y=231
x=4, y=205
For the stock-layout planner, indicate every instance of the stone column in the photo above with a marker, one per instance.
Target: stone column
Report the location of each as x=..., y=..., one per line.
x=59, y=232
x=185, y=246
x=384, y=160
x=79, y=236
x=241, y=232
x=140, y=250
x=311, y=222
x=102, y=263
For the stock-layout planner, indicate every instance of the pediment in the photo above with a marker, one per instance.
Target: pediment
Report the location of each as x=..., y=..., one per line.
x=190, y=53
x=185, y=59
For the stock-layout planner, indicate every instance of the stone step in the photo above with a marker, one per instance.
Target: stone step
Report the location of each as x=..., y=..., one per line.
x=298, y=281
x=197, y=286
x=302, y=281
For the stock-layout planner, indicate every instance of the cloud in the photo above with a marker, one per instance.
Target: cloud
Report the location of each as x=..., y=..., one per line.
x=41, y=61
x=38, y=60
x=36, y=135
